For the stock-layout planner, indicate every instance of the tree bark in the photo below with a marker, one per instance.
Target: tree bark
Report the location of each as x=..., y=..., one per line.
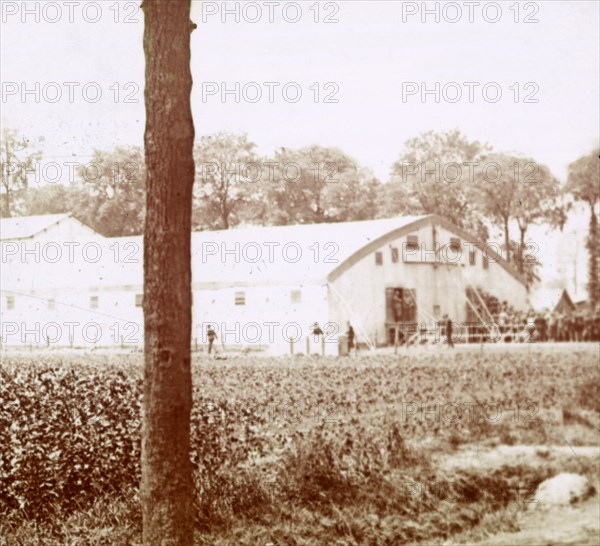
x=521, y=248
x=167, y=490
x=6, y=182
x=507, y=239
x=594, y=267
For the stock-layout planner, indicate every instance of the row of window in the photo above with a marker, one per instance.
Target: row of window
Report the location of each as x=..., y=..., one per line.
x=239, y=299
x=412, y=244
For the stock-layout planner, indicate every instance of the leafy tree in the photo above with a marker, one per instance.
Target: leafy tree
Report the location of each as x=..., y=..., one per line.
x=537, y=199
x=497, y=187
x=584, y=184
x=47, y=199
x=227, y=174
x=495, y=191
x=354, y=197
x=433, y=176
x=17, y=158
x=314, y=185
x=110, y=194
x=167, y=488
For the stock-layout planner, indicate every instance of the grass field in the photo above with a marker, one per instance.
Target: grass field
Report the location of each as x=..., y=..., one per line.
x=298, y=451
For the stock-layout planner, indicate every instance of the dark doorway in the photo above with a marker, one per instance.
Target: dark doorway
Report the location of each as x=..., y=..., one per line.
x=401, y=313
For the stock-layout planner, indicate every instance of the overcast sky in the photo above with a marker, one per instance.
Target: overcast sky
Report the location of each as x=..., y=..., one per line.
x=364, y=60
x=368, y=54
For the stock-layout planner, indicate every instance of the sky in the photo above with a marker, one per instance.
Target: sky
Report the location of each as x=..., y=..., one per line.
x=364, y=55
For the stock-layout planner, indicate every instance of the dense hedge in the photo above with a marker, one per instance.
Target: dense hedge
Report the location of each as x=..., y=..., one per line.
x=70, y=428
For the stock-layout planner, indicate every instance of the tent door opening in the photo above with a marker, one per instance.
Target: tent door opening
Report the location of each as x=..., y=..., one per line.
x=401, y=314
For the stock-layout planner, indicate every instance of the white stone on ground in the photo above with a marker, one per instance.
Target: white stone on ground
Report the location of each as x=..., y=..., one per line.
x=562, y=490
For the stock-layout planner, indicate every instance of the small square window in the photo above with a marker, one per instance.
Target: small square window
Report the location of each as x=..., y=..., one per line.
x=378, y=258
x=296, y=296
x=240, y=298
x=10, y=302
x=412, y=242
x=454, y=244
x=436, y=310
x=51, y=305
x=394, y=255
x=486, y=262
x=139, y=300
x=93, y=302
x=472, y=257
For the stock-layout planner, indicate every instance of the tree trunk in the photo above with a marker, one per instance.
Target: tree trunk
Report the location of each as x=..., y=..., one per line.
x=6, y=182
x=167, y=490
x=594, y=251
x=521, y=248
x=225, y=218
x=507, y=239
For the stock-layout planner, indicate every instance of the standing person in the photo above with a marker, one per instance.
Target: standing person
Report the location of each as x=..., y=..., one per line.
x=350, y=334
x=530, y=326
x=560, y=326
x=449, y=332
x=398, y=304
x=316, y=330
x=570, y=327
x=551, y=326
x=578, y=325
x=211, y=335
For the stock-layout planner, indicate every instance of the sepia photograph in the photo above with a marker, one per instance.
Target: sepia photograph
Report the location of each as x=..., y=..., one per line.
x=299, y=273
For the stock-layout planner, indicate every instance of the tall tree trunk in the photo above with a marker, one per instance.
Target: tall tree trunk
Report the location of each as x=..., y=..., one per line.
x=167, y=489
x=225, y=217
x=6, y=181
x=594, y=251
x=507, y=239
x=520, y=255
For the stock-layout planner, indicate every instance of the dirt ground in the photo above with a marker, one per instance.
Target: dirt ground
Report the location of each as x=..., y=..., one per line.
x=572, y=525
x=576, y=525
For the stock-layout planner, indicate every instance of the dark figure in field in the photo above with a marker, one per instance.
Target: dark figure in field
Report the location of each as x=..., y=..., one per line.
x=211, y=335
x=541, y=327
x=571, y=328
x=579, y=325
x=350, y=334
x=449, y=332
x=316, y=330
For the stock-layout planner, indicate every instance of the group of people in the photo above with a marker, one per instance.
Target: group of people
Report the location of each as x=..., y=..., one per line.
x=547, y=325
x=350, y=335
x=511, y=325
x=316, y=330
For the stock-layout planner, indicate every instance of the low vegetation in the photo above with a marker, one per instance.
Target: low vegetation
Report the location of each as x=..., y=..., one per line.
x=290, y=451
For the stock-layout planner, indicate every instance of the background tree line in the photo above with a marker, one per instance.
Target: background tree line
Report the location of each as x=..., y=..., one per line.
x=444, y=173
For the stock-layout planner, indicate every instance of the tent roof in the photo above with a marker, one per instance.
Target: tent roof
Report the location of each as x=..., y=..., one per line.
x=548, y=298
x=249, y=256
x=297, y=254
x=26, y=227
